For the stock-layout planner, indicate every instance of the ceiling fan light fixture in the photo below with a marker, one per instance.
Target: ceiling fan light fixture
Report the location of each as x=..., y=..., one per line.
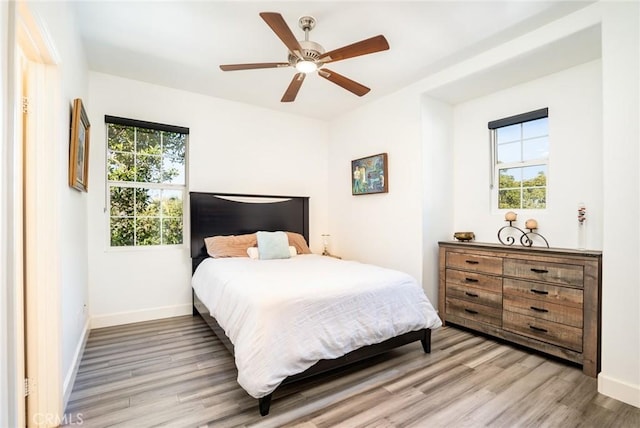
x=305, y=66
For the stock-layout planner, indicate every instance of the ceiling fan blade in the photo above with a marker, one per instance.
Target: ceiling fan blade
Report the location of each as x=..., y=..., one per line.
x=345, y=82
x=282, y=30
x=234, y=67
x=292, y=91
x=363, y=47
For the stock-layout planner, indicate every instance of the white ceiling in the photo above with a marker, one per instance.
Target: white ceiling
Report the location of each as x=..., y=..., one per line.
x=180, y=44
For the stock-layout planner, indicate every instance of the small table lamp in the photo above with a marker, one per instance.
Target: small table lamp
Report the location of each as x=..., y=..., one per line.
x=325, y=243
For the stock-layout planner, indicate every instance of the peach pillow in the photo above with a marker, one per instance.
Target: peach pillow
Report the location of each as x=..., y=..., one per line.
x=230, y=246
x=298, y=241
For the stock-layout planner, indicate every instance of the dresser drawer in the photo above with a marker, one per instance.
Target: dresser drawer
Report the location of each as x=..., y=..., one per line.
x=543, y=310
x=555, y=273
x=474, y=262
x=473, y=279
x=475, y=295
x=474, y=311
x=547, y=331
x=544, y=292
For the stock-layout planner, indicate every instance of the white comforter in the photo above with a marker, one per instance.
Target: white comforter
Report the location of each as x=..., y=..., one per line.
x=285, y=315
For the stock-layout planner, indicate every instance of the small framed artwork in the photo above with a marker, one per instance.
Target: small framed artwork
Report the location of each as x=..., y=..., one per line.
x=369, y=175
x=79, y=147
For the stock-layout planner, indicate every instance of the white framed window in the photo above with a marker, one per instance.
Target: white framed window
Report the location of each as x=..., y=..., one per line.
x=520, y=160
x=146, y=182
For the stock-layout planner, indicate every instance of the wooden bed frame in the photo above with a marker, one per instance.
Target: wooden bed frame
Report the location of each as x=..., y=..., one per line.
x=235, y=214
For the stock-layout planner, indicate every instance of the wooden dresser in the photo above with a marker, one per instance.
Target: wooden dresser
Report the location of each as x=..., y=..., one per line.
x=545, y=299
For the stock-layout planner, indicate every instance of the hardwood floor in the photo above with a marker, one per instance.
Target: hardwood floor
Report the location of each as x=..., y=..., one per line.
x=176, y=373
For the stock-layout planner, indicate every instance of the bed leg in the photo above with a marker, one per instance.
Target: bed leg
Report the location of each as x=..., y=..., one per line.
x=426, y=341
x=194, y=311
x=263, y=404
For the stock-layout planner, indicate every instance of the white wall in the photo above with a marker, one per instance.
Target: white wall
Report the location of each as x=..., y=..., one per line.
x=574, y=99
x=437, y=194
x=233, y=148
x=384, y=228
x=620, y=375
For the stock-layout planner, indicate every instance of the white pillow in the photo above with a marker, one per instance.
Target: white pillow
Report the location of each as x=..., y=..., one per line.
x=255, y=254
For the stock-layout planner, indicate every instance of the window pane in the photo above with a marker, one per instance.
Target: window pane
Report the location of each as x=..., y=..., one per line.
x=121, y=201
x=173, y=151
x=172, y=231
x=148, y=169
x=508, y=153
x=120, y=138
x=148, y=231
x=534, y=176
x=508, y=133
x=510, y=178
x=148, y=141
x=172, y=203
x=537, y=148
x=535, y=128
x=121, y=232
x=173, y=172
x=534, y=198
x=509, y=198
x=147, y=202
x=121, y=166
x=173, y=144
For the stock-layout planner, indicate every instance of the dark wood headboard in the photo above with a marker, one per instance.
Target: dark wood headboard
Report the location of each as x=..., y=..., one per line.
x=237, y=214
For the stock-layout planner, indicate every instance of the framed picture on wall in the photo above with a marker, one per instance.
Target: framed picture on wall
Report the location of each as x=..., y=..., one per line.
x=369, y=175
x=79, y=147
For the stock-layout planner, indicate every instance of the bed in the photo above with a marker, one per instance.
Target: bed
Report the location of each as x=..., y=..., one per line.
x=253, y=312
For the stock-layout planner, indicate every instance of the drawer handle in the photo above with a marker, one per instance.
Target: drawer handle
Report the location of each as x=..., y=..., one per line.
x=533, y=290
x=471, y=311
x=541, y=330
x=470, y=294
x=539, y=309
x=539, y=270
x=472, y=262
x=471, y=280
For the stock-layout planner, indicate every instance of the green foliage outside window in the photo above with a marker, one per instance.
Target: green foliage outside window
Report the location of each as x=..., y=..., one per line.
x=528, y=193
x=146, y=175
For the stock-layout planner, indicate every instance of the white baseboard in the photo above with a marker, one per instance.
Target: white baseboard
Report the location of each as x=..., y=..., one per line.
x=138, y=316
x=619, y=390
x=70, y=378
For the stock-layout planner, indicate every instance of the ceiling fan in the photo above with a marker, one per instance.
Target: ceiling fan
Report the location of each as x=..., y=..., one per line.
x=308, y=56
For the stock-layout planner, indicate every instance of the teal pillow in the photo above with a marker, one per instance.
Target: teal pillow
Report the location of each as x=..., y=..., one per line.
x=273, y=245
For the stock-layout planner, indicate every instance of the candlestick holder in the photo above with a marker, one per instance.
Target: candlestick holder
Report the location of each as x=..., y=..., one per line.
x=526, y=238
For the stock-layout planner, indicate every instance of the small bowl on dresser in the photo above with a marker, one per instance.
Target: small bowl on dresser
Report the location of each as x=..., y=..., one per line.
x=464, y=236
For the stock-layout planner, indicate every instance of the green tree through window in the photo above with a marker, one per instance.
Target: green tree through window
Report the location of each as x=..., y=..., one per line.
x=146, y=173
x=527, y=193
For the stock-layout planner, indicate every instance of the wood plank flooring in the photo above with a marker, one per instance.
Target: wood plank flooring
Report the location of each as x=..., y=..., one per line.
x=176, y=373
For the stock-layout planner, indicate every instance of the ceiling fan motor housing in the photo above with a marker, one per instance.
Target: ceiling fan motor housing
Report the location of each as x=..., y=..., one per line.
x=311, y=51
